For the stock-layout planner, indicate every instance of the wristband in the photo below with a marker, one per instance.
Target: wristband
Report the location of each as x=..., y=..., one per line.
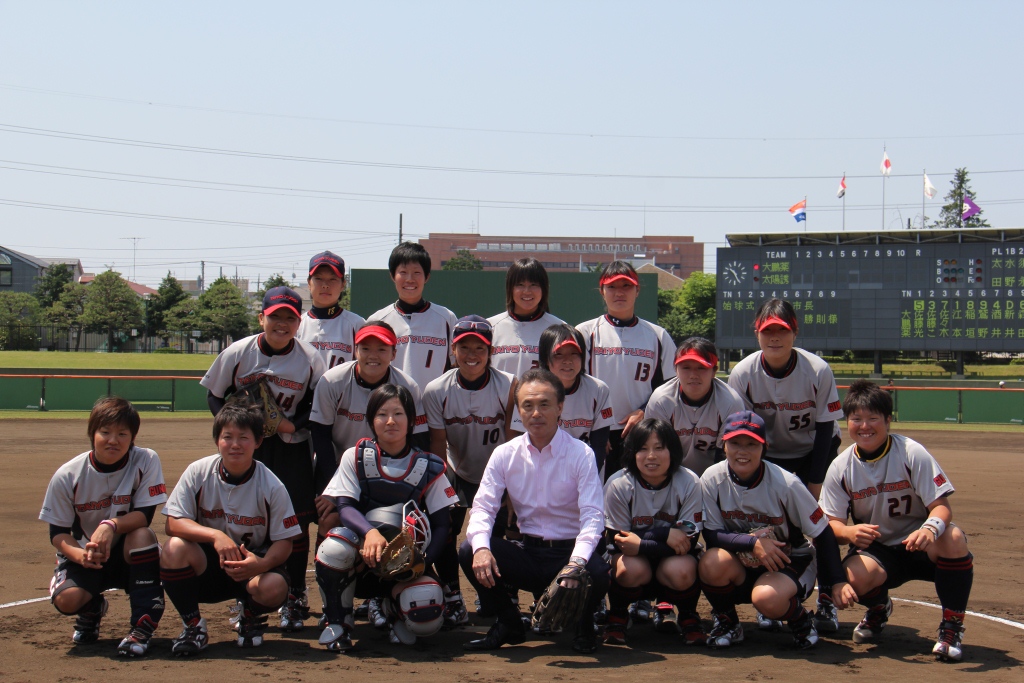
x=579, y=561
x=111, y=523
x=934, y=525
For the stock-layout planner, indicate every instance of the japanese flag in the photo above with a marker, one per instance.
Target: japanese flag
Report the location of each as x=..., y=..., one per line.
x=886, y=164
x=842, y=188
x=929, y=189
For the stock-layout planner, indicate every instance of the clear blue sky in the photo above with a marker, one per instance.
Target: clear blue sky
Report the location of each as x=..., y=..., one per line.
x=564, y=118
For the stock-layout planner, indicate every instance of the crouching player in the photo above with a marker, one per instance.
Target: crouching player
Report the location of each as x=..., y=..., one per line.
x=653, y=516
x=902, y=530
x=99, y=506
x=744, y=496
x=231, y=526
x=385, y=486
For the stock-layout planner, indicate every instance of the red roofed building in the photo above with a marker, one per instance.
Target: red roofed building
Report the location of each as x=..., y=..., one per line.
x=142, y=291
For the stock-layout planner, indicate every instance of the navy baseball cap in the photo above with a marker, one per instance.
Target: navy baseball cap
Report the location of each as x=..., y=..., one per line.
x=329, y=259
x=473, y=325
x=281, y=297
x=744, y=422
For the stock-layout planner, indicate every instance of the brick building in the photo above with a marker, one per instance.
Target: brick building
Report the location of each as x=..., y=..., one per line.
x=678, y=255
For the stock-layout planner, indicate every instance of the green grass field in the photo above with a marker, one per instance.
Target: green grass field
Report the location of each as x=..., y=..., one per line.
x=104, y=361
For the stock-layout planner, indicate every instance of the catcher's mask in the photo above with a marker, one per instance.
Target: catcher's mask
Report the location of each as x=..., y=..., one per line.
x=392, y=520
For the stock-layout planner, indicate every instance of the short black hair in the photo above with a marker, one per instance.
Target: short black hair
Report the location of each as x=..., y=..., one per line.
x=776, y=308
x=383, y=394
x=555, y=335
x=866, y=395
x=640, y=434
x=240, y=412
x=526, y=270
x=409, y=252
x=113, y=410
x=541, y=375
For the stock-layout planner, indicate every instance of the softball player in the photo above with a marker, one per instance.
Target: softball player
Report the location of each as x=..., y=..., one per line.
x=326, y=326
x=897, y=498
x=99, y=506
x=746, y=492
x=794, y=392
x=627, y=353
x=468, y=410
x=696, y=403
x=231, y=527
x=653, y=515
x=587, y=411
x=377, y=476
x=517, y=331
x=424, y=330
x=292, y=369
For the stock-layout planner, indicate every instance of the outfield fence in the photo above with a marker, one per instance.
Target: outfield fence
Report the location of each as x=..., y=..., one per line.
x=182, y=392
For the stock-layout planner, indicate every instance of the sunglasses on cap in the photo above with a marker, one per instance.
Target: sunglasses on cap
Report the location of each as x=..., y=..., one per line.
x=472, y=326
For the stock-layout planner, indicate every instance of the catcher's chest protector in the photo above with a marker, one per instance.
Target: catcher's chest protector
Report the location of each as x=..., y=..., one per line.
x=378, y=490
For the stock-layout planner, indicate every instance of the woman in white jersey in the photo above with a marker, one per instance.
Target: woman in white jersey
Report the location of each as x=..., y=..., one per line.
x=326, y=326
x=517, y=331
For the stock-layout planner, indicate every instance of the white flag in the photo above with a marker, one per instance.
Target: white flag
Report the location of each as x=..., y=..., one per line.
x=886, y=165
x=929, y=189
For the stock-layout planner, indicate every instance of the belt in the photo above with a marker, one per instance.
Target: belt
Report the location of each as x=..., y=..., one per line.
x=539, y=542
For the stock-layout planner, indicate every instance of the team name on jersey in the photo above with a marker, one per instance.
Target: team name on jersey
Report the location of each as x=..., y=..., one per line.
x=104, y=503
x=477, y=419
x=884, y=487
x=331, y=346
x=273, y=379
x=622, y=351
x=580, y=422
x=420, y=339
x=772, y=405
x=515, y=348
x=647, y=520
x=240, y=520
x=757, y=517
x=697, y=431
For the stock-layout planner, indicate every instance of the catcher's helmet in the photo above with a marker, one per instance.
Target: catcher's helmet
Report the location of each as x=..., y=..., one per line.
x=421, y=606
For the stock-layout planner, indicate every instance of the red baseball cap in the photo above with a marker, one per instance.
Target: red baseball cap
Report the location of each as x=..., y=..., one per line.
x=620, y=276
x=708, y=361
x=773, y=320
x=377, y=332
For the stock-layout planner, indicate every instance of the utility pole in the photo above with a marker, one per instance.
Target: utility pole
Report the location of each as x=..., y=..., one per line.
x=399, y=228
x=202, y=276
x=135, y=245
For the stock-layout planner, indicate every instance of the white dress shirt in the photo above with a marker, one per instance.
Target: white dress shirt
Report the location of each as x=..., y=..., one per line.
x=555, y=491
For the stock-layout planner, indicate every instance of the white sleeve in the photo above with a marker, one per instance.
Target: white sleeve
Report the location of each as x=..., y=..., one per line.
x=929, y=481
x=617, y=515
x=831, y=409
x=182, y=501
x=809, y=516
x=660, y=406
x=152, y=490
x=432, y=397
x=692, y=508
x=219, y=378
x=668, y=354
x=318, y=366
x=345, y=482
x=603, y=409
x=712, y=514
x=834, y=499
x=282, y=522
x=439, y=495
x=59, y=501
x=738, y=381
x=325, y=401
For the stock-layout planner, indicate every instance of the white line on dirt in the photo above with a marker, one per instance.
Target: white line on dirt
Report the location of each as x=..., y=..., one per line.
x=998, y=620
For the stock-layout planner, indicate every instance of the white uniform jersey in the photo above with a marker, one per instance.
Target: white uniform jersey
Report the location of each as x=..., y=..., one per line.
x=516, y=343
x=632, y=360
x=631, y=505
x=587, y=408
x=424, y=341
x=474, y=420
x=333, y=338
x=80, y=496
x=698, y=427
x=789, y=405
x=893, y=491
x=777, y=498
x=438, y=495
x=255, y=512
x=289, y=374
x=340, y=401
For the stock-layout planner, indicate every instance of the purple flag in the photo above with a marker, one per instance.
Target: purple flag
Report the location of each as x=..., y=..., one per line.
x=969, y=209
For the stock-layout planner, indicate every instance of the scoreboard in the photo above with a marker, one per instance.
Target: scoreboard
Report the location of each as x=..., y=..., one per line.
x=943, y=296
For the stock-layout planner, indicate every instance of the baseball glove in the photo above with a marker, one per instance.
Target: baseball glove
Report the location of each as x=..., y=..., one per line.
x=746, y=557
x=400, y=560
x=261, y=395
x=560, y=607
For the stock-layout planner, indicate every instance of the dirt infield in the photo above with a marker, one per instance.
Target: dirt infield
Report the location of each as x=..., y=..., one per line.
x=986, y=469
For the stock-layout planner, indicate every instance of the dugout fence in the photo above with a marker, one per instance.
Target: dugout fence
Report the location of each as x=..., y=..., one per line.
x=183, y=393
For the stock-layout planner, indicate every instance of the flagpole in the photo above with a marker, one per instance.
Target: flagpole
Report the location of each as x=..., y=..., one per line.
x=883, y=190
x=844, y=202
x=805, y=213
x=924, y=193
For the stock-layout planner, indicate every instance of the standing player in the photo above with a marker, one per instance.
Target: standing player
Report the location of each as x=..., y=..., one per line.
x=696, y=403
x=468, y=411
x=231, y=529
x=652, y=510
x=517, y=331
x=587, y=412
x=794, y=392
x=375, y=483
x=291, y=369
x=326, y=326
x=746, y=493
x=99, y=506
x=424, y=330
x=902, y=525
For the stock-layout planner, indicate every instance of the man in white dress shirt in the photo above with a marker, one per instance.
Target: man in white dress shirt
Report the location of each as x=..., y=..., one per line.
x=553, y=485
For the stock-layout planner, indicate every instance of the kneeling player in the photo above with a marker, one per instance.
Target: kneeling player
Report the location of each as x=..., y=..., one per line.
x=898, y=497
x=99, y=506
x=652, y=513
x=381, y=485
x=231, y=525
x=745, y=497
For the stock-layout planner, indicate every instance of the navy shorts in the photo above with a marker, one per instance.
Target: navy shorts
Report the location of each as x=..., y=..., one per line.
x=113, y=574
x=900, y=564
x=216, y=586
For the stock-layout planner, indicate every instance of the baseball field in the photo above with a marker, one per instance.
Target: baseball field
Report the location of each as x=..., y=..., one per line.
x=985, y=467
